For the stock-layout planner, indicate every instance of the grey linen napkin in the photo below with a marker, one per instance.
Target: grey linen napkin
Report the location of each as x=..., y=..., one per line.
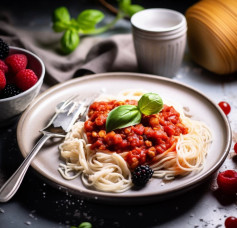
x=93, y=55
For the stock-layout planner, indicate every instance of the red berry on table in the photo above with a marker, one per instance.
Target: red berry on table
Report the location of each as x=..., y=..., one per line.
x=16, y=62
x=231, y=222
x=3, y=66
x=225, y=107
x=235, y=148
x=25, y=79
x=2, y=80
x=227, y=182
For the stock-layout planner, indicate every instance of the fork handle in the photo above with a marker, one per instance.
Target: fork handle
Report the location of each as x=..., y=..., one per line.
x=9, y=189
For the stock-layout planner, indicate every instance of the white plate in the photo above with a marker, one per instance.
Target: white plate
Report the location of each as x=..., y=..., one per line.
x=48, y=159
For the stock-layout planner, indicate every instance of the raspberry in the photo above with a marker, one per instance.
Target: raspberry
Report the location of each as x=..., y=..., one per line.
x=16, y=62
x=227, y=181
x=2, y=80
x=25, y=79
x=10, y=90
x=3, y=66
x=4, y=49
x=141, y=175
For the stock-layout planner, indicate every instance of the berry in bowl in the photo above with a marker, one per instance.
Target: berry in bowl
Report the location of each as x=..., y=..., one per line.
x=21, y=77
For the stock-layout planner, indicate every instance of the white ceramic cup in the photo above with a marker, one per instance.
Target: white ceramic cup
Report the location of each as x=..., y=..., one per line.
x=159, y=37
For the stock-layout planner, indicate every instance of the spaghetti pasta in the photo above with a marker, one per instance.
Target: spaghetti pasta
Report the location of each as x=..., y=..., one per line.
x=104, y=171
x=109, y=171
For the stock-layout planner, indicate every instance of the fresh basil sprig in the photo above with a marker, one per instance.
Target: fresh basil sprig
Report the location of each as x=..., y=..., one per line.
x=128, y=115
x=72, y=28
x=86, y=23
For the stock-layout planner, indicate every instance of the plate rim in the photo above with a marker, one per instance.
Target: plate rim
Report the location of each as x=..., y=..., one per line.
x=107, y=196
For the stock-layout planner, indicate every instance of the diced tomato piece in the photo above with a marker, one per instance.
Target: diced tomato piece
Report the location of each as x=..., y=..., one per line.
x=88, y=125
x=117, y=139
x=170, y=130
x=138, y=129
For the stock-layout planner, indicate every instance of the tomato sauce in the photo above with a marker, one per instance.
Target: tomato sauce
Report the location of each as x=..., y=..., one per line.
x=154, y=135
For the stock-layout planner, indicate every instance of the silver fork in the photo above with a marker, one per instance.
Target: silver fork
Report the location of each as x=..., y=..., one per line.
x=65, y=116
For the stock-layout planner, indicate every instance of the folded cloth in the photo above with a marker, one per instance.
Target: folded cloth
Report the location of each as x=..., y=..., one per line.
x=94, y=54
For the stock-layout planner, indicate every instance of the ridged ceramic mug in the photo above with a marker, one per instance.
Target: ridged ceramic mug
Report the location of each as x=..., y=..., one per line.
x=159, y=37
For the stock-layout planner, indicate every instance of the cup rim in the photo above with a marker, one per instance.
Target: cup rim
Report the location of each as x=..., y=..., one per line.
x=182, y=23
x=41, y=77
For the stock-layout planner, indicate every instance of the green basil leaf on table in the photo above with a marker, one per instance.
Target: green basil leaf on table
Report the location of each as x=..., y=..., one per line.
x=89, y=18
x=132, y=9
x=128, y=8
x=150, y=103
x=70, y=41
x=123, y=116
x=61, y=14
x=124, y=4
x=86, y=21
x=85, y=225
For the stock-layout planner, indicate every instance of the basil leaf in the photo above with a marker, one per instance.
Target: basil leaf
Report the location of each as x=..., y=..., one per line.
x=150, y=103
x=61, y=14
x=85, y=225
x=59, y=26
x=123, y=116
x=74, y=24
x=88, y=19
x=70, y=41
x=128, y=8
x=132, y=9
x=124, y=4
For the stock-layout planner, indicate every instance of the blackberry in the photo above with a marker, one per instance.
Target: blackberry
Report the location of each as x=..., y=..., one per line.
x=4, y=49
x=10, y=90
x=141, y=175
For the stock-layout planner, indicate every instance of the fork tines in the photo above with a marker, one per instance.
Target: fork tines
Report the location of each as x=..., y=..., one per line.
x=69, y=111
